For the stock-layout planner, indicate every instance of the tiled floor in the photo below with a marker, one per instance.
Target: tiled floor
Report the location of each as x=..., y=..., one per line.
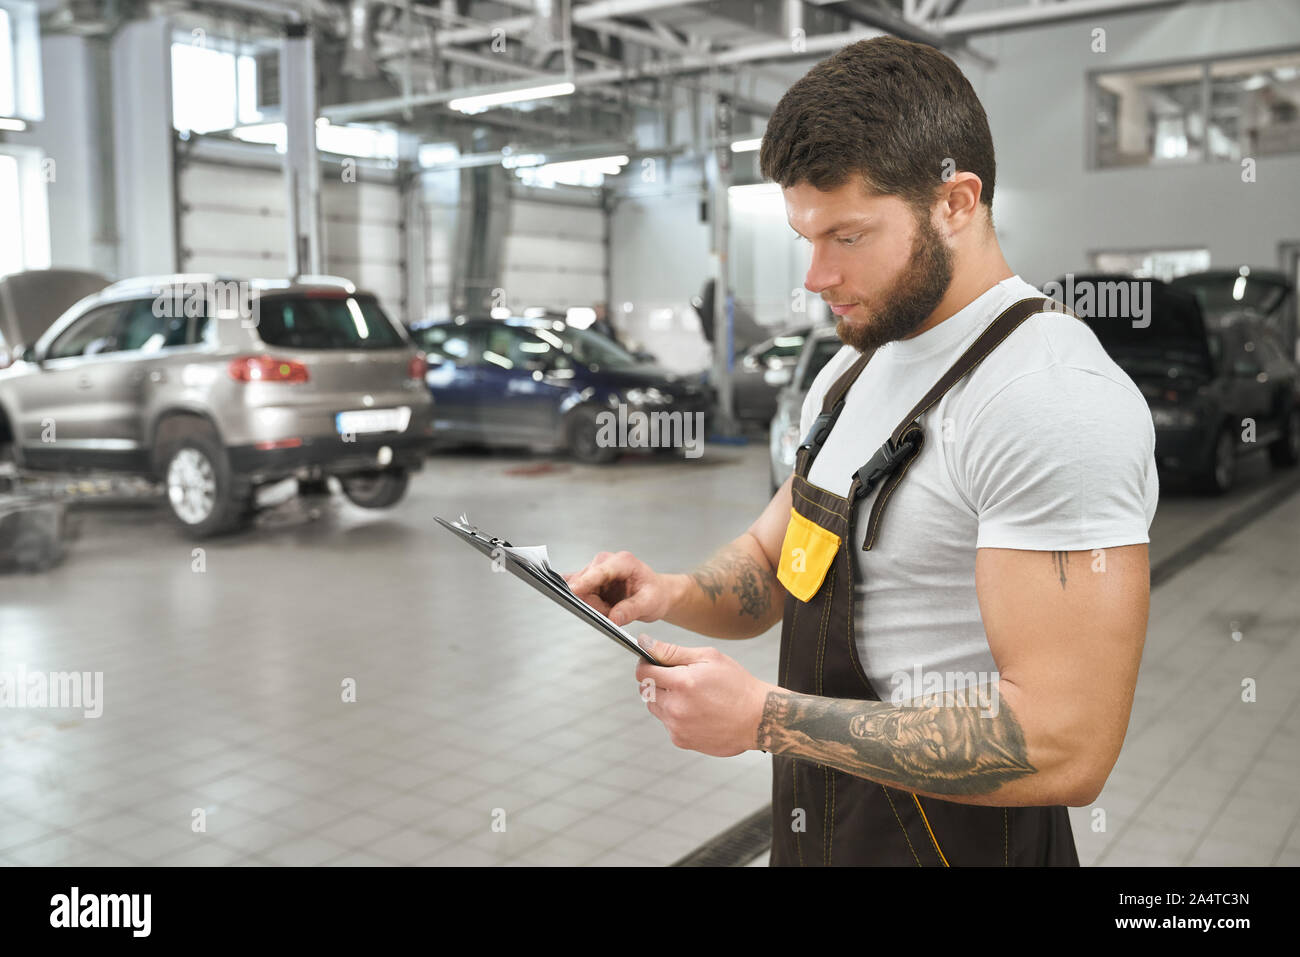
x=489, y=728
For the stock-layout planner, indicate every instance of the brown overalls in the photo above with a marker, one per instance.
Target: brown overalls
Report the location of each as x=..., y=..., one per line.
x=848, y=819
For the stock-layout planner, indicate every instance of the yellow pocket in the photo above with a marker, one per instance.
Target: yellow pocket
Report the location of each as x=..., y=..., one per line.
x=806, y=555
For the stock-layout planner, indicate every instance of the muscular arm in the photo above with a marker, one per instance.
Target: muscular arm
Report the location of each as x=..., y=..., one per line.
x=735, y=594
x=1066, y=631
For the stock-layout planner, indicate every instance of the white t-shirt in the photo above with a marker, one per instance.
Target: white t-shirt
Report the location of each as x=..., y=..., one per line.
x=1047, y=445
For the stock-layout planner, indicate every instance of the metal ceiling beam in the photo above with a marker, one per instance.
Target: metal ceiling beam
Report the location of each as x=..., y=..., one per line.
x=694, y=63
x=512, y=26
x=1033, y=15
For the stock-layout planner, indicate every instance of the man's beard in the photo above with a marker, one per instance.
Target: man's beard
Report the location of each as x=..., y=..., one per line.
x=914, y=296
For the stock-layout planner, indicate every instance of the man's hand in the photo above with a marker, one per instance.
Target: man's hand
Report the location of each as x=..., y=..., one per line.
x=623, y=588
x=707, y=701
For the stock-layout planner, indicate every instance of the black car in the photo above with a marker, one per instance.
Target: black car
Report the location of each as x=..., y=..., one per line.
x=1265, y=293
x=540, y=382
x=1216, y=390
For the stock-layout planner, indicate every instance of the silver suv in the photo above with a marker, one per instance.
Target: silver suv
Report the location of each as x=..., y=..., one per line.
x=216, y=386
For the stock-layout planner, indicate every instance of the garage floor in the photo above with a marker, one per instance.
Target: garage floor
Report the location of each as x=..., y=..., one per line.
x=477, y=703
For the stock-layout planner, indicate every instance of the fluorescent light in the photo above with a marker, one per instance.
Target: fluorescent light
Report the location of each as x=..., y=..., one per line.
x=754, y=191
x=477, y=104
x=434, y=154
x=586, y=172
x=500, y=312
x=16, y=126
x=746, y=146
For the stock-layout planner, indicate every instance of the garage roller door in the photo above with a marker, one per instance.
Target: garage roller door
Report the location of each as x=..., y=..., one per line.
x=554, y=252
x=233, y=220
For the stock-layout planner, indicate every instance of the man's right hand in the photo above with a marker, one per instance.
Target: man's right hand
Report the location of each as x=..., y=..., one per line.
x=623, y=588
x=735, y=594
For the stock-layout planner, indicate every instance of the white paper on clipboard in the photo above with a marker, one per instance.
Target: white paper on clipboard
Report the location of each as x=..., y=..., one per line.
x=532, y=564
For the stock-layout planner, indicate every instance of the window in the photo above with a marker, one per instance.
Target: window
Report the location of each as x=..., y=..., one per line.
x=512, y=348
x=449, y=342
x=96, y=333
x=144, y=330
x=1255, y=107
x=212, y=89
x=8, y=82
x=11, y=240
x=1163, y=264
x=1180, y=113
x=326, y=322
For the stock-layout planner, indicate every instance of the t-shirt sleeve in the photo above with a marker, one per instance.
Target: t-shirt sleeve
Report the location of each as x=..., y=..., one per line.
x=1061, y=459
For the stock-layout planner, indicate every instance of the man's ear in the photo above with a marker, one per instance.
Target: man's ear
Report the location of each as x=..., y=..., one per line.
x=960, y=204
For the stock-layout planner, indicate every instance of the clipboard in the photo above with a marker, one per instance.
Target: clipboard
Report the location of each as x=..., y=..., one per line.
x=530, y=565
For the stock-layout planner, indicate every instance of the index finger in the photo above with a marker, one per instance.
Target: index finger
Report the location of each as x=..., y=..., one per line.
x=612, y=568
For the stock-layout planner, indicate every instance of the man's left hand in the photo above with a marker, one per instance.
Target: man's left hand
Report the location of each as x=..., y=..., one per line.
x=707, y=701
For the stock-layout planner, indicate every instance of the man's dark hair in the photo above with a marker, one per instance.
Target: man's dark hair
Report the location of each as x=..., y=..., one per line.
x=889, y=109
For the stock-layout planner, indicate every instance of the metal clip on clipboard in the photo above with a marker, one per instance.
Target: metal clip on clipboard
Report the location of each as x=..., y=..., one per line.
x=533, y=567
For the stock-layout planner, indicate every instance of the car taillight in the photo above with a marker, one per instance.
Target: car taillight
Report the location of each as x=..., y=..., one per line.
x=417, y=367
x=267, y=369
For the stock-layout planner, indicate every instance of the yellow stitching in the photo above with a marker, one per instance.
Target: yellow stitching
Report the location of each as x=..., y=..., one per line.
x=789, y=651
x=831, y=830
x=794, y=777
x=926, y=821
x=880, y=509
x=852, y=613
x=819, y=504
x=980, y=358
x=825, y=626
x=900, y=825
x=835, y=393
x=826, y=805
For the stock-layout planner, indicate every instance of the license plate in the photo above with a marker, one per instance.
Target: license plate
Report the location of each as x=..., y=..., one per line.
x=372, y=420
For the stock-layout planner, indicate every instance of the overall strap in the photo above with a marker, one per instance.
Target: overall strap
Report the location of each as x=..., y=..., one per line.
x=832, y=406
x=892, y=459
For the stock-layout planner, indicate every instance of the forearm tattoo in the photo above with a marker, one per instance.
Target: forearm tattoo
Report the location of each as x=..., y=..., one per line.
x=736, y=572
x=942, y=749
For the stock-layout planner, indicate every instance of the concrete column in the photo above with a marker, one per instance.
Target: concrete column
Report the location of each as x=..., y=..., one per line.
x=301, y=164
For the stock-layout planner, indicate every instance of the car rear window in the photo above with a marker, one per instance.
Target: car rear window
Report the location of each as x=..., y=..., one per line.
x=326, y=322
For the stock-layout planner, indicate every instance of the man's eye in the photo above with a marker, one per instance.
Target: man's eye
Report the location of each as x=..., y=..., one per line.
x=849, y=240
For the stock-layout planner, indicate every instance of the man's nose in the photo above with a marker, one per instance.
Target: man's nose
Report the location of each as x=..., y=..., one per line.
x=822, y=274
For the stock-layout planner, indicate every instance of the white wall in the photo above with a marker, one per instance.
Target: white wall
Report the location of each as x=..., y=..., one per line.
x=68, y=136
x=659, y=259
x=1051, y=211
x=142, y=140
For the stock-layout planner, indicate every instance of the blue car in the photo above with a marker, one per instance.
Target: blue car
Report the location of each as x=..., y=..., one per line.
x=542, y=383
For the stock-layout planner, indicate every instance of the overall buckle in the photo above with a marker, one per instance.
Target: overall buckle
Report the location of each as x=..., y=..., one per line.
x=887, y=458
x=820, y=430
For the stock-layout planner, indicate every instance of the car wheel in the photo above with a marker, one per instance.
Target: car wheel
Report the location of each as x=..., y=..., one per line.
x=583, y=439
x=375, y=489
x=205, y=499
x=1222, y=469
x=1286, y=450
